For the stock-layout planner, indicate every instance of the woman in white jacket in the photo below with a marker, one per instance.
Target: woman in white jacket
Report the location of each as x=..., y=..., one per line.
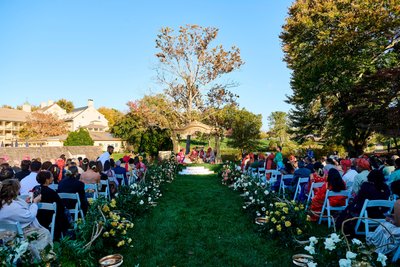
x=16, y=209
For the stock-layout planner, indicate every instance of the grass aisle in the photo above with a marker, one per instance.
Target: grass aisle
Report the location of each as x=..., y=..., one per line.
x=199, y=222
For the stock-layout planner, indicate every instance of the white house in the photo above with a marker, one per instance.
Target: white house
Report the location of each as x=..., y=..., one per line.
x=52, y=108
x=86, y=117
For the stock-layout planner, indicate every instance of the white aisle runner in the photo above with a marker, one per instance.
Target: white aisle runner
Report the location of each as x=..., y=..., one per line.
x=197, y=170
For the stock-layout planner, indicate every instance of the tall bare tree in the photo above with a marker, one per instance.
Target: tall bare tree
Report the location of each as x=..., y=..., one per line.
x=190, y=67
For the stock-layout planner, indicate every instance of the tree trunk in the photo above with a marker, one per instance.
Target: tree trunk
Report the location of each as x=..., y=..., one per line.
x=187, y=144
x=395, y=143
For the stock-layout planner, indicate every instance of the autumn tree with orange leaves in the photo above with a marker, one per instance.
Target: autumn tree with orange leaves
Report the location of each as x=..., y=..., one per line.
x=40, y=125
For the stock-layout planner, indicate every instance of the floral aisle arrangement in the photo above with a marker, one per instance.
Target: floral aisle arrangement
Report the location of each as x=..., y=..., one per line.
x=278, y=218
x=288, y=221
x=335, y=250
x=14, y=252
x=107, y=223
x=229, y=173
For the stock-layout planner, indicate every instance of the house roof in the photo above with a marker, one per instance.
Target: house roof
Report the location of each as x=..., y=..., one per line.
x=103, y=136
x=7, y=114
x=94, y=125
x=46, y=107
x=74, y=113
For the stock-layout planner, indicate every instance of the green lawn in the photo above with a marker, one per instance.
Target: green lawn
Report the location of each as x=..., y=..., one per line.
x=199, y=222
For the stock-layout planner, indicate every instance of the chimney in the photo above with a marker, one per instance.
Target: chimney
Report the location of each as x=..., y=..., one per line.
x=26, y=107
x=90, y=103
x=50, y=102
x=42, y=104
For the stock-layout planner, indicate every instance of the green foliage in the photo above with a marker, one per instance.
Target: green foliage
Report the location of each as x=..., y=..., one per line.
x=279, y=126
x=155, y=139
x=245, y=130
x=128, y=128
x=66, y=104
x=345, y=61
x=80, y=137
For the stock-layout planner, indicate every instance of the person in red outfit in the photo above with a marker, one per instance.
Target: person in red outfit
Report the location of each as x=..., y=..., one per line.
x=333, y=183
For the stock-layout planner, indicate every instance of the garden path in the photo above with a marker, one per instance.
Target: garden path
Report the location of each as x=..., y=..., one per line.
x=199, y=222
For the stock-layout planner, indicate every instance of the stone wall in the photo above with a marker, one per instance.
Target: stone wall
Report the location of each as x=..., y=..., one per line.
x=16, y=154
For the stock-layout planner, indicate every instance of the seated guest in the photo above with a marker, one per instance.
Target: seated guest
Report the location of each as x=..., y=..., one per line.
x=6, y=173
x=373, y=189
x=193, y=155
x=15, y=209
x=29, y=182
x=330, y=163
x=333, y=183
x=210, y=156
x=45, y=178
x=181, y=156
x=394, y=176
x=348, y=172
x=46, y=165
x=120, y=170
x=301, y=172
x=318, y=176
x=91, y=175
x=389, y=167
x=244, y=162
x=25, y=165
x=55, y=171
x=141, y=168
x=381, y=238
x=261, y=161
x=363, y=168
x=71, y=184
x=61, y=165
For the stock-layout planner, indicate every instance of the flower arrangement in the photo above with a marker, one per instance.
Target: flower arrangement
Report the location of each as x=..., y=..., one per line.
x=14, y=252
x=335, y=250
x=285, y=220
x=229, y=173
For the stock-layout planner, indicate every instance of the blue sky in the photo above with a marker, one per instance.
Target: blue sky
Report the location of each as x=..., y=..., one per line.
x=104, y=50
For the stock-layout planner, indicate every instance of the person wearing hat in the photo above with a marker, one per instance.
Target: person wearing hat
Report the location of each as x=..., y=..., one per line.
x=363, y=168
x=348, y=172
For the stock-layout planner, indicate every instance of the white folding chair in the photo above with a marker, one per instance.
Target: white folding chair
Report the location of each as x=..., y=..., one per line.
x=53, y=186
x=282, y=186
x=300, y=182
x=106, y=192
x=253, y=172
x=77, y=209
x=50, y=207
x=327, y=206
x=92, y=190
x=386, y=204
x=15, y=227
x=274, y=176
x=261, y=174
x=311, y=192
x=120, y=178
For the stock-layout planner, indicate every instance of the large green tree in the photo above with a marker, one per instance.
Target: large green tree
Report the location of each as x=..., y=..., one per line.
x=245, y=129
x=333, y=48
x=278, y=123
x=80, y=137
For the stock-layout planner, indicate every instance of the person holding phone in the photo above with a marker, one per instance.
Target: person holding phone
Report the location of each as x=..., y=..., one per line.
x=15, y=209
